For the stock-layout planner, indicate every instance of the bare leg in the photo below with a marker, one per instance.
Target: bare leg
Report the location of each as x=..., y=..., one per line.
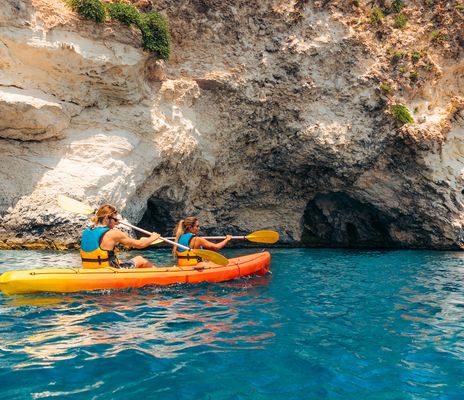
x=204, y=264
x=141, y=262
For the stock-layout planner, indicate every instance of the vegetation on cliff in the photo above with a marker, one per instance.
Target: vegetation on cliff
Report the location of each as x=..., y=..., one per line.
x=402, y=114
x=153, y=26
x=411, y=41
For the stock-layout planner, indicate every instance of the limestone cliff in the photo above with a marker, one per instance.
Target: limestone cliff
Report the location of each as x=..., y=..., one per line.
x=269, y=115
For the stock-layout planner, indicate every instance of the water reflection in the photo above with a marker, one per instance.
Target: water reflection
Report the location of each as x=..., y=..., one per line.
x=161, y=322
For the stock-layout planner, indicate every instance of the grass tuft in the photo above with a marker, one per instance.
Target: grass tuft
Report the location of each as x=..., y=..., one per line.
x=402, y=114
x=437, y=36
x=385, y=87
x=400, y=21
x=415, y=56
x=376, y=16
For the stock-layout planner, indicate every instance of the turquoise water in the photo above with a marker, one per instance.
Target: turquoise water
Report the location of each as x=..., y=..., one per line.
x=326, y=324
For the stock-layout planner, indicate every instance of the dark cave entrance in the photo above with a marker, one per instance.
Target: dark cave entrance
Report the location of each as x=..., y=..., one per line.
x=161, y=216
x=338, y=220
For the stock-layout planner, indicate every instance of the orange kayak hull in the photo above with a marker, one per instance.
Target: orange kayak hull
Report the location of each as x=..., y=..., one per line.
x=66, y=280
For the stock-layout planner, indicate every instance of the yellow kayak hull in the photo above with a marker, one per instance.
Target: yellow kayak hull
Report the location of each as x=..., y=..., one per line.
x=66, y=280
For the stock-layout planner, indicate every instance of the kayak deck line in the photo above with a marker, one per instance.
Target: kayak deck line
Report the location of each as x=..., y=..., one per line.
x=67, y=271
x=64, y=280
x=110, y=270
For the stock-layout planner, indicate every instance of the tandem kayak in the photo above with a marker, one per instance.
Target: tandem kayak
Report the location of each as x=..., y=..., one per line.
x=64, y=280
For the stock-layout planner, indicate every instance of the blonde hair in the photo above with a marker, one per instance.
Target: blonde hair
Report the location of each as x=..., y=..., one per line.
x=183, y=226
x=105, y=211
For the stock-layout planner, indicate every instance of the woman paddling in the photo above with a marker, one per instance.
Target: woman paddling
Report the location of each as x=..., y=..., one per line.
x=186, y=232
x=99, y=241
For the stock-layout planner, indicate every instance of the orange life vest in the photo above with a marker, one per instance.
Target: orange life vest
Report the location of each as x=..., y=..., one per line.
x=186, y=258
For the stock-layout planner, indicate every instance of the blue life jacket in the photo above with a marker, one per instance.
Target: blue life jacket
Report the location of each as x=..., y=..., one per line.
x=93, y=256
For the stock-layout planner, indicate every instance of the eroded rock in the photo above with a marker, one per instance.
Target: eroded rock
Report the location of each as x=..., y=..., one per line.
x=269, y=115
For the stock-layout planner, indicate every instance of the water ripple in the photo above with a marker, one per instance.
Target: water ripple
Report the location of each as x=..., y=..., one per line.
x=326, y=324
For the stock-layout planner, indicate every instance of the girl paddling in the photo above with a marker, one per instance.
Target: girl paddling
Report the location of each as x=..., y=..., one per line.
x=99, y=241
x=186, y=233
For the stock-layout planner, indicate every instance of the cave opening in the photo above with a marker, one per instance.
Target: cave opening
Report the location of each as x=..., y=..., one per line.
x=161, y=216
x=338, y=220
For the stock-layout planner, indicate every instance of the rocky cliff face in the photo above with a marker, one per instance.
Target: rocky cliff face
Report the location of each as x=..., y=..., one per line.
x=269, y=115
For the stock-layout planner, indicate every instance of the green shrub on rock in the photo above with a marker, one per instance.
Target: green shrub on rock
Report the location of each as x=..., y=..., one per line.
x=415, y=56
x=400, y=21
x=402, y=114
x=122, y=12
x=437, y=36
x=377, y=16
x=153, y=26
x=155, y=34
x=89, y=9
x=385, y=87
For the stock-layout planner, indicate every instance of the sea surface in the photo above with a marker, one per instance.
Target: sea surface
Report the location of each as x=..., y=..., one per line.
x=325, y=324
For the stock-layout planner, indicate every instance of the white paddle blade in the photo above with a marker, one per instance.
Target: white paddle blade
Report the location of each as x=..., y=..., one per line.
x=72, y=205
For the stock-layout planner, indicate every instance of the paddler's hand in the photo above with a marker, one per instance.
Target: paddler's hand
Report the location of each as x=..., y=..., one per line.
x=228, y=238
x=154, y=236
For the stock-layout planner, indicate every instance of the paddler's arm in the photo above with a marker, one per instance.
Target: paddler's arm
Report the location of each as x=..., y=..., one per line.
x=116, y=236
x=202, y=242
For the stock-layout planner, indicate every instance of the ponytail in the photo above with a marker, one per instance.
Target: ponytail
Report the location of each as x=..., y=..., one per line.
x=178, y=230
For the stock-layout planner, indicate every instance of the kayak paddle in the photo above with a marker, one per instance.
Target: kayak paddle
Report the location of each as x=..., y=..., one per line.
x=76, y=206
x=268, y=237
x=257, y=236
x=69, y=204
